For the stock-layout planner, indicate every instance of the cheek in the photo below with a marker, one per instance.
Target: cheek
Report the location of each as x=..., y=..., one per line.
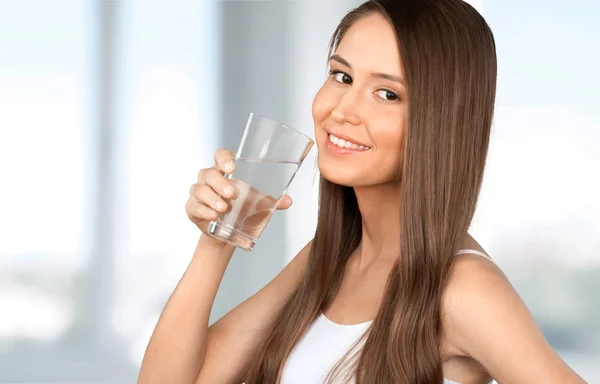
x=391, y=137
x=390, y=146
x=323, y=103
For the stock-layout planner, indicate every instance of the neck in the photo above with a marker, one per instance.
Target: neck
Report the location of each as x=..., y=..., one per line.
x=380, y=210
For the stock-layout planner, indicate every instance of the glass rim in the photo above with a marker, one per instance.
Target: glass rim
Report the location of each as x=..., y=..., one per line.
x=261, y=116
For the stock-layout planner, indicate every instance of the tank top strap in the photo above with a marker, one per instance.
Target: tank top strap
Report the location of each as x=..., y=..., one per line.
x=474, y=252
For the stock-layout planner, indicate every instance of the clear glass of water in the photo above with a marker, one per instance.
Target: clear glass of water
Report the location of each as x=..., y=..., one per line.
x=266, y=161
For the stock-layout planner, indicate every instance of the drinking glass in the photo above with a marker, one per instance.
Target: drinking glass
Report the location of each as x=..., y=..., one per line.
x=266, y=162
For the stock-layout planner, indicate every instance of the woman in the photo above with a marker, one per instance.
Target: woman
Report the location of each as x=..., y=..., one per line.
x=392, y=289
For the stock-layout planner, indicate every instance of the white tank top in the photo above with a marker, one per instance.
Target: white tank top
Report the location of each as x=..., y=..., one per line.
x=324, y=344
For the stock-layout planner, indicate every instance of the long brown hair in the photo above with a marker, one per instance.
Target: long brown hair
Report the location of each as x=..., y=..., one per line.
x=449, y=61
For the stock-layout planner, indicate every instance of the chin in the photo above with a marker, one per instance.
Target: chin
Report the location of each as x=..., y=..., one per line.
x=352, y=177
x=344, y=176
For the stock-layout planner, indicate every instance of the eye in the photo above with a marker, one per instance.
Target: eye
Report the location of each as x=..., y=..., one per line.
x=340, y=77
x=387, y=95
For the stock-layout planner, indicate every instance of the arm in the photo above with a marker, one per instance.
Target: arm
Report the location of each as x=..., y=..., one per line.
x=487, y=321
x=233, y=340
x=183, y=349
x=178, y=343
x=182, y=345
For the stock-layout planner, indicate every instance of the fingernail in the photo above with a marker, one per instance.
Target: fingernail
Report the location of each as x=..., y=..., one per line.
x=220, y=205
x=229, y=166
x=228, y=191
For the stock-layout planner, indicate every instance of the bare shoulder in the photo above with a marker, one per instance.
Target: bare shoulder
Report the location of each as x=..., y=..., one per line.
x=484, y=319
x=473, y=274
x=474, y=282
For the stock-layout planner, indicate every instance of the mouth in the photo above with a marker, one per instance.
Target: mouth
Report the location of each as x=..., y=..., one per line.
x=345, y=144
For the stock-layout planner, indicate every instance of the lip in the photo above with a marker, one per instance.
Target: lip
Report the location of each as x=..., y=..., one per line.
x=347, y=138
x=334, y=149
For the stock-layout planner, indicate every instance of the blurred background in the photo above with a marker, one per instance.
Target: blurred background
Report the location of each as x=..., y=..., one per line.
x=109, y=108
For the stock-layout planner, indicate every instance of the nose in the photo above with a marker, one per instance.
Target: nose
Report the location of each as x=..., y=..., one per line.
x=346, y=111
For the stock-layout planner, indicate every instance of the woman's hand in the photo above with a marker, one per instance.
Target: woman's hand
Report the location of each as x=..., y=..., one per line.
x=211, y=195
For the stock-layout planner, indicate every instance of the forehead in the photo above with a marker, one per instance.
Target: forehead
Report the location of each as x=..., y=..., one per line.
x=370, y=44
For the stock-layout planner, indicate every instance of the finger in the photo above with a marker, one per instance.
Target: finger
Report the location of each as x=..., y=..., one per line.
x=224, y=160
x=205, y=194
x=198, y=212
x=202, y=212
x=285, y=202
x=201, y=174
x=218, y=183
x=265, y=203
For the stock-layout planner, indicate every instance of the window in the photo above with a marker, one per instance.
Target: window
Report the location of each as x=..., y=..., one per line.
x=105, y=111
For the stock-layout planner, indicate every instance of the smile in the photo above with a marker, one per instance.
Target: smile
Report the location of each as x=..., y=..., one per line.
x=341, y=143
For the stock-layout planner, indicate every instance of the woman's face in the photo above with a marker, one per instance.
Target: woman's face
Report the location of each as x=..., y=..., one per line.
x=360, y=111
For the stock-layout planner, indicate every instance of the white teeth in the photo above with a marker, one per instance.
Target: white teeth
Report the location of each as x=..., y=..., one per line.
x=346, y=144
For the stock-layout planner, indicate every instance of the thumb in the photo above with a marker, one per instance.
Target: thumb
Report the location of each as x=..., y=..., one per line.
x=285, y=202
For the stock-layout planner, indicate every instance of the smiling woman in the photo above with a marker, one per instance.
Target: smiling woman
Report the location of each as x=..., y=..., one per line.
x=392, y=288
x=375, y=114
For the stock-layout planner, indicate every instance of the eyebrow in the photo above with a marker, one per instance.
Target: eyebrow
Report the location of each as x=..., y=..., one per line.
x=385, y=76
